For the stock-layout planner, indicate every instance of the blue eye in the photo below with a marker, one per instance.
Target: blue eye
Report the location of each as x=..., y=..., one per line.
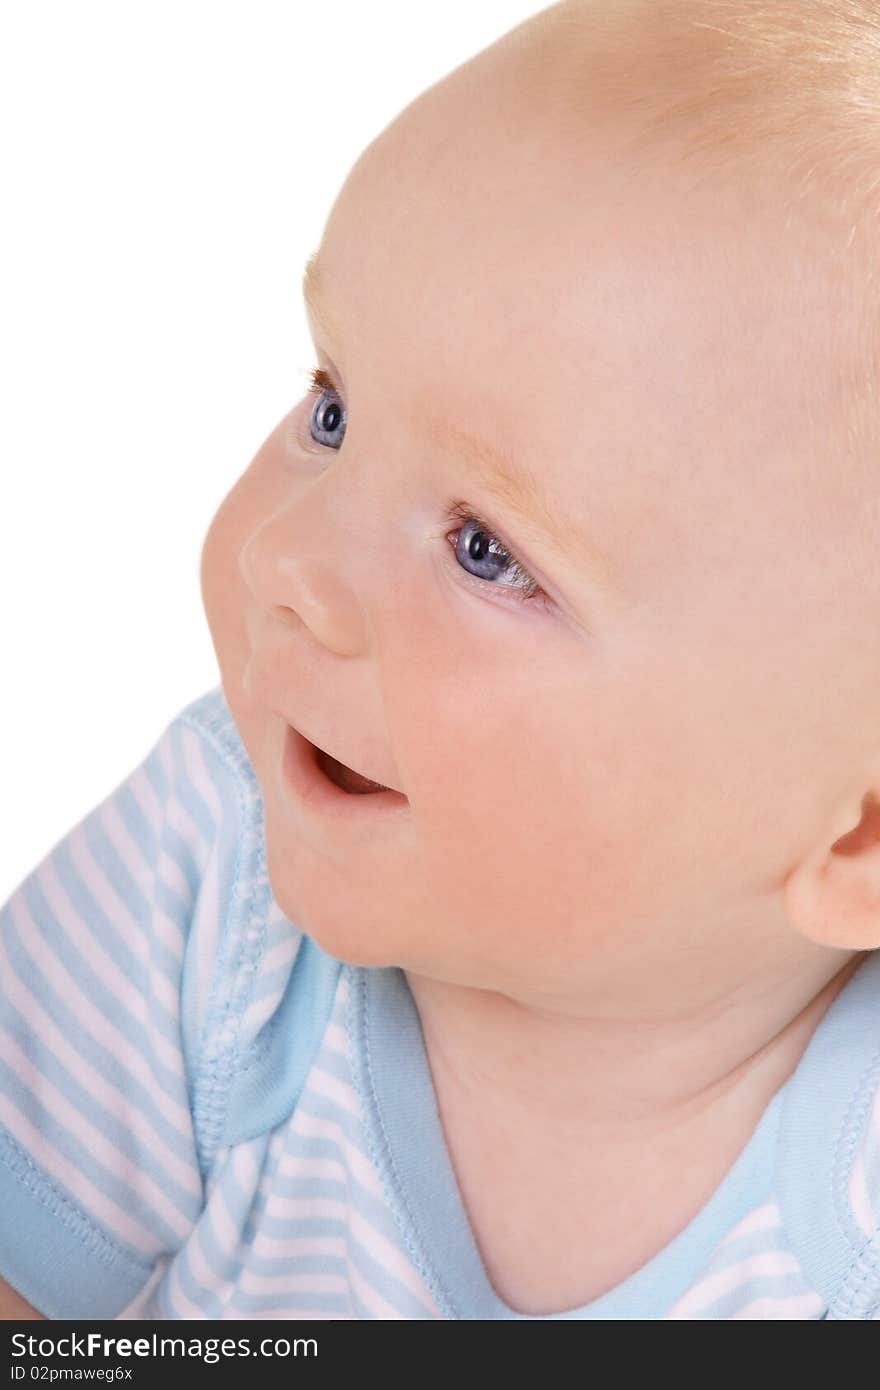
x=479, y=552
x=328, y=416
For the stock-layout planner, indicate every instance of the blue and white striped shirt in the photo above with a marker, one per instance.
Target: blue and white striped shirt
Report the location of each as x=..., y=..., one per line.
x=203, y=1115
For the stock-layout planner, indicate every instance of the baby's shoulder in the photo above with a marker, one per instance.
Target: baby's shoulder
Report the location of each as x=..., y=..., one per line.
x=155, y=1005
x=828, y=1156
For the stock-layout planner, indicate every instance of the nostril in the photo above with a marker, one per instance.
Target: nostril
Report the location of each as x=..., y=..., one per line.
x=866, y=833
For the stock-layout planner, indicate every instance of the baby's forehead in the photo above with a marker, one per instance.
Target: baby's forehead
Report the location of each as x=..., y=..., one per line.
x=519, y=229
x=599, y=384
x=570, y=134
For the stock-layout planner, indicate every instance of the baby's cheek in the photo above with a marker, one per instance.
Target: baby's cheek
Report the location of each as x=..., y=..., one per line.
x=513, y=842
x=552, y=850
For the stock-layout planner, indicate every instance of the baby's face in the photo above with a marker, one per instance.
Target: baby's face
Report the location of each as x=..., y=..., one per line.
x=613, y=746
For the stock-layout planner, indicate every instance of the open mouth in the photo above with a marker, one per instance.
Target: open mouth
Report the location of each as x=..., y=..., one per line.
x=330, y=788
x=346, y=777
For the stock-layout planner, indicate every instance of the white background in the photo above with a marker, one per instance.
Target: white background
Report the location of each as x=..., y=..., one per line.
x=167, y=166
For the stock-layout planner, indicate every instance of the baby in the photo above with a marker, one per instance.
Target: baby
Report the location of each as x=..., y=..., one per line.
x=496, y=940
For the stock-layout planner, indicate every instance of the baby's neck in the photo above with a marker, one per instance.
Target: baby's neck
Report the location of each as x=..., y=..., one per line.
x=642, y=1118
x=621, y=1074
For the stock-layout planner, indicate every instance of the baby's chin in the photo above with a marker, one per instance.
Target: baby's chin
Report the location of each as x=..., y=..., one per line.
x=317, y=900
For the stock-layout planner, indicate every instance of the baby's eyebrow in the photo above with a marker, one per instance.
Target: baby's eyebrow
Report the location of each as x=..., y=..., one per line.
x=312, y=293
x=513, y=484
x=517, y=488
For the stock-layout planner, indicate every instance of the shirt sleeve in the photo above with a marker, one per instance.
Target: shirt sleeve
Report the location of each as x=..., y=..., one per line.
x=108, y=952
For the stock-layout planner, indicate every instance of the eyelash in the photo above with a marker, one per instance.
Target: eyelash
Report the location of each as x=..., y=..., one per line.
x=530, y=591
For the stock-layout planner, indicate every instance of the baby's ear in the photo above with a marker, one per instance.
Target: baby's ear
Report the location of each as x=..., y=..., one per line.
x=833, y=895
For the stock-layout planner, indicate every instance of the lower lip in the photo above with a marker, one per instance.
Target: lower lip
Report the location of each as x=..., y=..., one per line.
x=312, y=787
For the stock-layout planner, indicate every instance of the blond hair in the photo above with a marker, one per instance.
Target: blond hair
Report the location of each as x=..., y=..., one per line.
x=727, y=83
